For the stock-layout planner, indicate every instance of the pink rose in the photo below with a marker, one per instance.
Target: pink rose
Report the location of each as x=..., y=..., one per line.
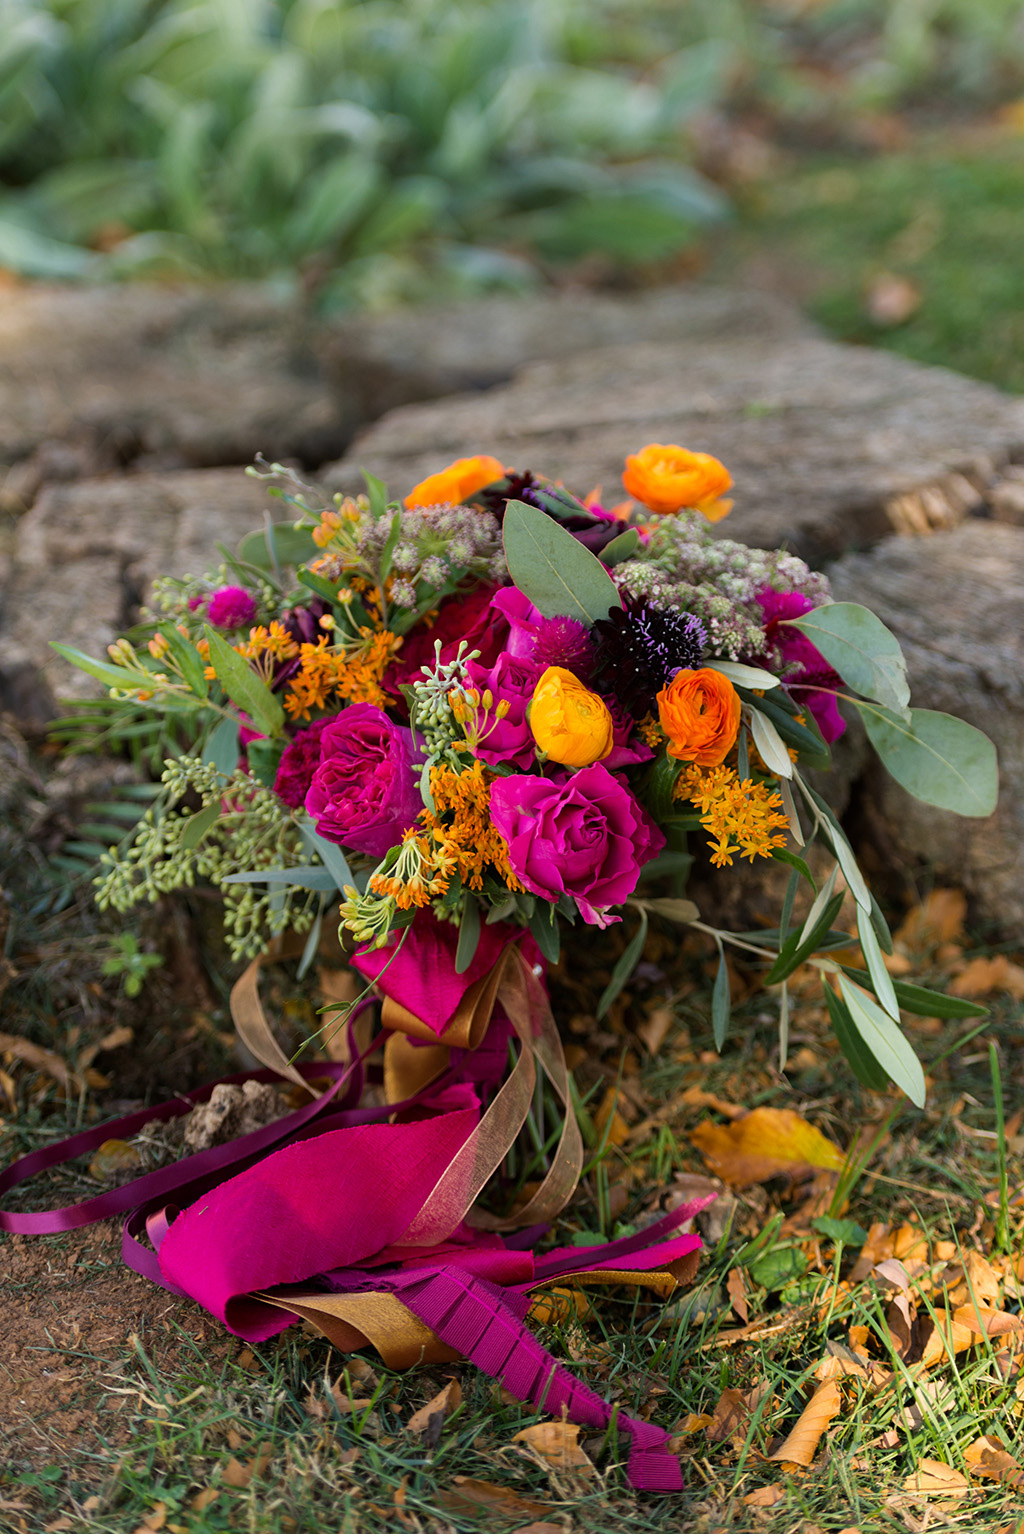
x=588, y=837
x=363, y=794
x=511, y=681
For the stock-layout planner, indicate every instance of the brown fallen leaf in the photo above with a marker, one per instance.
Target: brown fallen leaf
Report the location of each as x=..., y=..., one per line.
x=202, y=1499
x=441, y=1406
x=730, y=1417
x=937, y=1481
x=38, y=1058
x=609, y=1121
x=765, y=1496
x=892, y=299
x=736, y=1289
x=946, y=1338
x=113, y=1159
x=238, y=1476
x=473, y=1497
x=769, y=1142
x=801, y=1443
x=938, y=919
x=983, y=977
x=696, y=1097
x=557, y=1444
x=988, y=1457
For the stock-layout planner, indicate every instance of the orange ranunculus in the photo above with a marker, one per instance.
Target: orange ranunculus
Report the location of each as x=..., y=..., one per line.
x=665, y=479
x=568, y=721
x=700, y=713
x=462, y=478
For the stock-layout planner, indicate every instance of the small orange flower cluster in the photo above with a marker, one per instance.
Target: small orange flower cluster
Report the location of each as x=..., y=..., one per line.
x=462, y=828
x=422, y=871
x=334, y=676
x=742, y=815
x=332, y=520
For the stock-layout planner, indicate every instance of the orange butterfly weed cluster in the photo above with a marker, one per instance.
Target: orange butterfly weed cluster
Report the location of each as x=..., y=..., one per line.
x=743, y=816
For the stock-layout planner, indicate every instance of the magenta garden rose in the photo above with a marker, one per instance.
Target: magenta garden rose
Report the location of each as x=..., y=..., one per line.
x=587, y=837
x=363, y=794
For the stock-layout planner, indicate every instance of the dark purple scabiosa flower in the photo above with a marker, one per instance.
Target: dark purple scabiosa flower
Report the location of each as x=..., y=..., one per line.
x=231, y=607
x=299, y=760
x=639, y=650
x=303, y=625
x=565, y=642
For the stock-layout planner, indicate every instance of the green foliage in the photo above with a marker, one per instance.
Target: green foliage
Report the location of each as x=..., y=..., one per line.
x=358, y=140
x=129, y=962
x=553, y=569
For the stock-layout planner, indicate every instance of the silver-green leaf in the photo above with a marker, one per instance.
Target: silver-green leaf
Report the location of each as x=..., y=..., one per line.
x=552, y=568
x=939, y=759
x=858, y=645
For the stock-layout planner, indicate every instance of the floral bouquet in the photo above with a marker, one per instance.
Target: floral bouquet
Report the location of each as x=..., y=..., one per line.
x=494, y=707
x=465, y=719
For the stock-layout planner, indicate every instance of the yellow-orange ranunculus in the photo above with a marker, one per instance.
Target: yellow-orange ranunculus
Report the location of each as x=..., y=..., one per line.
x=569, y=722
x=452, y=485
x=667, y=478
x=700, y=713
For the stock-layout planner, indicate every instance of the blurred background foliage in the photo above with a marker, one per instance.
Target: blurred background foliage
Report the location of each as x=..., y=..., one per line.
x=367, y=152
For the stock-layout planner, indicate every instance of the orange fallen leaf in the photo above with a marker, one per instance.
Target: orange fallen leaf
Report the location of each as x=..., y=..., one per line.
x=557, y=1444
x=801, y=1443
x=441, y=1406
x=765, y=1496
x=935, y=1480
x=983, y=977
x=555, y=1306
x=696, y=1097
x=769, y=1142
x=946, y=1338
x=238, y=1476
x=987, y=1457
x=938, y=919
x=202, y=1499
x=608, y=1119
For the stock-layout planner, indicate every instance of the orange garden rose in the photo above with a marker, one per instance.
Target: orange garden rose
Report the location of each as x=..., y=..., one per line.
x=569, y=722
x=700, y=713
x=463, y=477
x=667, y=478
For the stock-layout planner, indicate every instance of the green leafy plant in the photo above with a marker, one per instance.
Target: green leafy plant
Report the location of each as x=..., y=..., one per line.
x=129, y=962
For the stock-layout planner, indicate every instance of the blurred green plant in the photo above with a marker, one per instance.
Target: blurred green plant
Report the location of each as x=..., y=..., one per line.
x=359, y=143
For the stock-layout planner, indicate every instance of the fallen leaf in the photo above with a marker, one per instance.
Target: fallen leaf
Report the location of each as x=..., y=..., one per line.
x=946, y=1338
x=557, y=1444
x=113, y=1158
x=696, y=1097
x=987, y=1457
x=472, y=1496
x=441, y=1406
x=982, y=977
x=238, y=1476
x=938, y=919
x=39, y=1059
x=935, y=1480
x=203, y=1499
x=801, y=1443
x=656, y=1029
x=892, y=299
x=116, y=1037
x=555, y=1306
x=765, y=1496
x=609, y=1122
x=737, y=1290
x=730, y=1417
x=769, y=1142
x=542, y=1528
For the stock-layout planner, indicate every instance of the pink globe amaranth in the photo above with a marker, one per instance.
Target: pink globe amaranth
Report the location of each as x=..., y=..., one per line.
x=511, y=681
x=231, y=607
x=587, y=837
x=363, y=794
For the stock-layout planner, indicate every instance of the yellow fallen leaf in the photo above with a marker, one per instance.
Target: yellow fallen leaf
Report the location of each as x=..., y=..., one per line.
x=937, y=1481
x=554, y=1306
x=609, y=1122
x=801, y=1444
x=557, y=1443
x=113, y=1159
x=769, y=1142
x=442, y=1405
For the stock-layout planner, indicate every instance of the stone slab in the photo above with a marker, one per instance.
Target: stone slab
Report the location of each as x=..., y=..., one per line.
x=954, y=601
x=830, y=446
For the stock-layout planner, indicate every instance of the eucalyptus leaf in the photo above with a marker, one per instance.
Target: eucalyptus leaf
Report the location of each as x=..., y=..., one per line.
x=721, y=1001
x=197, y=826
x=305, y=876
x=885, y=1041
x=939, y=759
x=292, y=545
x=221, y=748
x=620, y=547
x=682, y=911
x=544, y=926
x=858, y=645
x=625, y=965
x=770, y=745
x=245, y=689
x=745, y=676
x=329, y=854
x=553, y=569
x=469, y=935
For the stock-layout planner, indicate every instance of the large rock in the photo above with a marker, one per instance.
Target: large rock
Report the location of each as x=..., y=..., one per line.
x=418, y=354
x=954, y=600
x=94, y=378
x=85, y=556
x=831, y=446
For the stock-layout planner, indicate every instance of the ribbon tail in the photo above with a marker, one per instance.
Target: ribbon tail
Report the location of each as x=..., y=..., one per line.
x=484, y=1323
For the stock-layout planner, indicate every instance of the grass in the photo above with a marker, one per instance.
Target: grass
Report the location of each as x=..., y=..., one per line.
x=213, y=1436
x=946, y=214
